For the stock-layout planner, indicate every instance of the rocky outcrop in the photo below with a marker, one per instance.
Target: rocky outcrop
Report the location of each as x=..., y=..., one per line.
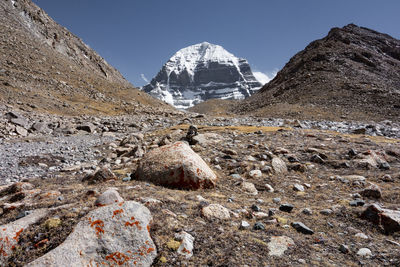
x=201, y=72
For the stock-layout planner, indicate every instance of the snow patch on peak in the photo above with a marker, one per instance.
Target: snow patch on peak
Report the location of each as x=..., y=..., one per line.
x=189, y=57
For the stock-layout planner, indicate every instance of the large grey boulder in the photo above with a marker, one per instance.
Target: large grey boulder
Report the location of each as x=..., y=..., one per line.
x=177, y=166
x=114, y=235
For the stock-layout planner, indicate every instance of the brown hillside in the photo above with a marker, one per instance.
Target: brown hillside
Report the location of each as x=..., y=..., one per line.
x=46, y=68
x=353, y=73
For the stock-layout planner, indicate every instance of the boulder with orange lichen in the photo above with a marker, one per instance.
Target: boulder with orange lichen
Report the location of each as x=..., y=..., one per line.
x=176, y=166
x=113, y=235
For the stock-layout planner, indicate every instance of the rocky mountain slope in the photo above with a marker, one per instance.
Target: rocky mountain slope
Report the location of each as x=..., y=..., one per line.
x=353, y=73
x=201, y=72
x=47, y=68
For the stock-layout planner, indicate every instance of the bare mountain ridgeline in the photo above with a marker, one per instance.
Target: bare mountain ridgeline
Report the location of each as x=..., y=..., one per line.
x=47, y=68
x=352, y=73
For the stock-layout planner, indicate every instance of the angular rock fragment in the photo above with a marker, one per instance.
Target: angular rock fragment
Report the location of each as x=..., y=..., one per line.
x=114, y=235
x=388, y=219
x=300, y=227
x=177, y=166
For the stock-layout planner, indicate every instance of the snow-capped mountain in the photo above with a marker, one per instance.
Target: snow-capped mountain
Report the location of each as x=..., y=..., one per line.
x=201, y=72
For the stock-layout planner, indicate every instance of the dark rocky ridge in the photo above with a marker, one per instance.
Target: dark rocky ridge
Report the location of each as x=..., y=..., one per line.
x=45, y=67
x=353, y=72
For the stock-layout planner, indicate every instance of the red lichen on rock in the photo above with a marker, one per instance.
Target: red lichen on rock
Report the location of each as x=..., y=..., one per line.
x=116, y=212
x=17, y=234
x=118, y=258
x=134, y=222
x=98, y=226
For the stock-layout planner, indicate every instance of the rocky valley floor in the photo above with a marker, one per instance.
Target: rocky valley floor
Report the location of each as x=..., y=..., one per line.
x=288, y=193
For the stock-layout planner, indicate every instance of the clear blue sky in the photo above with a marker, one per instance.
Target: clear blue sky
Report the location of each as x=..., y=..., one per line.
x=139, y=36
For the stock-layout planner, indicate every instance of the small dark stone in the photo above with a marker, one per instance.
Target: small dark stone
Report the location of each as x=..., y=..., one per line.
x=286, y=207
x=259, y=226
x=317, y=159
x=384, y=166
x=352, y=153
x=255, y=208
x=344, y=249
x=300, y=227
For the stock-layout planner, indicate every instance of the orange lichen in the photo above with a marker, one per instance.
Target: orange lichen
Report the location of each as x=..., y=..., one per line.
x=98, y=226
x=149, y=250
x=116, y=212
x=17, y=234
x=118, y=257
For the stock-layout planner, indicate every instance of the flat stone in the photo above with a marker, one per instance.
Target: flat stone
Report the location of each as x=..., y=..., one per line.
x=117, y=234
x=216, y=211
x=177, y=166
x=298, y=187
x=300, y=227
x=354, y=178
x=279, y=244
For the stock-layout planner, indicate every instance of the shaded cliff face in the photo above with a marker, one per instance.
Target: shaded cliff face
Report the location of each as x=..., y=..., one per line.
x=353, y=73
x=201, y=72
x=46, y=68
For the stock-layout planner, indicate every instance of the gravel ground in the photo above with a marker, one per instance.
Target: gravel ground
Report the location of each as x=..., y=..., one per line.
x=54, y=154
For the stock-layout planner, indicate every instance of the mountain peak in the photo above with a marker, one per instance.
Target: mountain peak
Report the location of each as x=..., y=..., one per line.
x=200, y=72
